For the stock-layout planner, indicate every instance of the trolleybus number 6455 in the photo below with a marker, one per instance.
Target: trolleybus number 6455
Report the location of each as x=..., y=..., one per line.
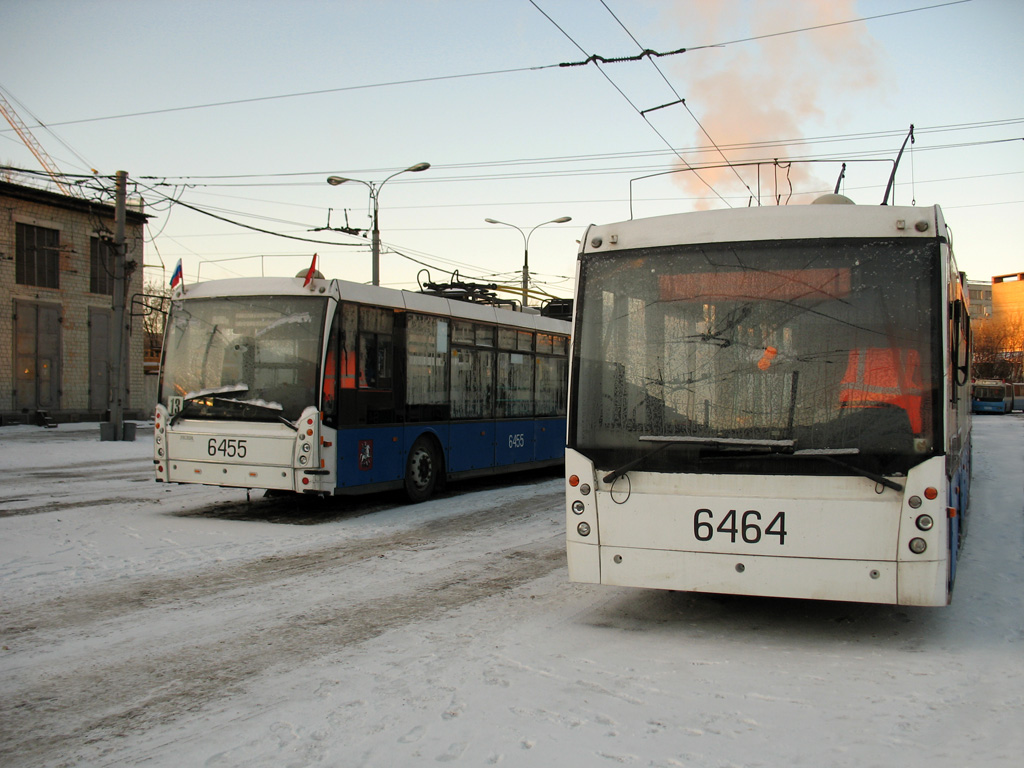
x=230, y=447
x=747, y=526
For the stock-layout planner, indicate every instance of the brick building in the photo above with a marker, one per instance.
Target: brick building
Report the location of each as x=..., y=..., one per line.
x=56, y=316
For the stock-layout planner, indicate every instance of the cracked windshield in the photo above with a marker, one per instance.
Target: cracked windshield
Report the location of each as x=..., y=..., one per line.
x=777, y=348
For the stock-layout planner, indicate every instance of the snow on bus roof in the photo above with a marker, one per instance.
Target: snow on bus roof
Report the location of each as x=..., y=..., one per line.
x=343, y=290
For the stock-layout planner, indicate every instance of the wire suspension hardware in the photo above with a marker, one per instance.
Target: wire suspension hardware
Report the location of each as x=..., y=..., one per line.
x=348, y=230
x=597, y=58
x=662, y=106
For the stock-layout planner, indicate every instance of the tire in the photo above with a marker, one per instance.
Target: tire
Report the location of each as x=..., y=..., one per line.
x=421, y=470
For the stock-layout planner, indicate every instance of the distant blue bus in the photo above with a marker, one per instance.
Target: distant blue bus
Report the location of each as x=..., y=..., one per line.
x=991, y=396
x=339, y=388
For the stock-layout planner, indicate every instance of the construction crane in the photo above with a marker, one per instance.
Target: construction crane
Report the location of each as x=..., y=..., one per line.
x=34, y=146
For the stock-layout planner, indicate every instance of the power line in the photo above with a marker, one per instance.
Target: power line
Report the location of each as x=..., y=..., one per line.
x=679, y=100
x=627, y=99
x=212, y=215
x=487, y=73
x=191, y=180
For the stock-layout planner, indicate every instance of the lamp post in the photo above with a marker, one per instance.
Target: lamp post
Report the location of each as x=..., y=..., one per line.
x=375, y=188
x=526, y=246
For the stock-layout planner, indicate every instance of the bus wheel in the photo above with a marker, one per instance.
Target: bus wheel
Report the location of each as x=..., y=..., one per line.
x=421, y=470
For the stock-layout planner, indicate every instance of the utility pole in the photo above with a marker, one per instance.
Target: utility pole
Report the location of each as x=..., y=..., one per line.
x=114, y=429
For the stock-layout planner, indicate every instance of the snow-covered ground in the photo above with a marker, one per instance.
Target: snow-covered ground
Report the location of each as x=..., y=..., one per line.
x=143, y=624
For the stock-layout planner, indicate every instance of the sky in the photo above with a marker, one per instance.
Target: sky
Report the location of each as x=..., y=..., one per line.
x=229, y=116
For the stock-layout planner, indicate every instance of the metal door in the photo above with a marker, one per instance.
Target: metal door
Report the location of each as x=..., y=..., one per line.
x=99, y=359
x=37, y=356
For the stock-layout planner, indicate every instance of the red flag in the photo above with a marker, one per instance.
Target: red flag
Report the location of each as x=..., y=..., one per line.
x=310, y=273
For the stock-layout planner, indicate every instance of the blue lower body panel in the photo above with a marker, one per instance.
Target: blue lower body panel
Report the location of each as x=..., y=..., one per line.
x=377, y=455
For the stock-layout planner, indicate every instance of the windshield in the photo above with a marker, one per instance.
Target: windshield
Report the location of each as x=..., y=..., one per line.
x=989, y=393
x=817, y=347
x=243, y=357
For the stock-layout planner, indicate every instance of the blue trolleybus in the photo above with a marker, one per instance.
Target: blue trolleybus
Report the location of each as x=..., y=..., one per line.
x=341, y=388
x=992, y=396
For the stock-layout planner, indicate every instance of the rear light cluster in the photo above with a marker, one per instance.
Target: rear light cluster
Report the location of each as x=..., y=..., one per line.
x=160, y=444
x=579, y=506
x=924, y=522
x=308, y=457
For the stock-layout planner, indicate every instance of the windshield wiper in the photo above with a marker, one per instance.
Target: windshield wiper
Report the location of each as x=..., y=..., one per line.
x=777, y=448
x=830, y=454
x=773, y=448
x=616, y=474
x=720, y=442
x=221, y=396
x=859, y=471
x=208, y=394
x=249, y=404
x=716, y=442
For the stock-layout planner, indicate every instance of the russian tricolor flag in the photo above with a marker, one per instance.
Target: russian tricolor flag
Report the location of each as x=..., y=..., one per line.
x=177, y=276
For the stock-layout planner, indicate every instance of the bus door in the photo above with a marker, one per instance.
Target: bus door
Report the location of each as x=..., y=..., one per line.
x=515, y=439
x=369, y=440
x=471, y=442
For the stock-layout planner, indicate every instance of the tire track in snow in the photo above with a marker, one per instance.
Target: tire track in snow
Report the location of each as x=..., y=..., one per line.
x=135, y=684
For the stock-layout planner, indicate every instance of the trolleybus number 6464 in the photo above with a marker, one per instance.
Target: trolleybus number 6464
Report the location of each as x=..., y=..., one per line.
x=747, y=526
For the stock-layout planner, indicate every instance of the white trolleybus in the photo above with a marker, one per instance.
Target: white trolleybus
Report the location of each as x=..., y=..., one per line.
x=342, y=388
x=771, y=401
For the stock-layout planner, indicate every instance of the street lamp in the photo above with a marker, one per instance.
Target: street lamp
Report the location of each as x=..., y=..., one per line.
x=375, y=188
x=526, y=246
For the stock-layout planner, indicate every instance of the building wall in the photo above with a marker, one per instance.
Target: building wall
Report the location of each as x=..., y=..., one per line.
x=980, y=299
x=77, y=221
x=1008, y=295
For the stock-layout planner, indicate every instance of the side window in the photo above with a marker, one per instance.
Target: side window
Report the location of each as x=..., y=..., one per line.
x=484, y=335
x=552, y=383
x=347, y=347
x=463, y=333
x=515, y=384
x=426, y=342
x=472, y=383
x=376, y=329
x=332, y=372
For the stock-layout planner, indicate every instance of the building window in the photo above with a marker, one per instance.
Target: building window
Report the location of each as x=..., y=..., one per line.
x=37, y=256
x=101, y=266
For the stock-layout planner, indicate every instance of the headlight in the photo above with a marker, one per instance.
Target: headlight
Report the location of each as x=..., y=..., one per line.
x=577, y=507
x=583, y=529
x=918, y=546
x=305, y=447
x=925, y=522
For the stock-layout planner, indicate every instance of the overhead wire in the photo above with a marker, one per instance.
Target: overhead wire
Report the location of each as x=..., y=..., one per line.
x=636, y=109
x=23, y=108
x=679, y=99
x=487, y=73
x=649, y=153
